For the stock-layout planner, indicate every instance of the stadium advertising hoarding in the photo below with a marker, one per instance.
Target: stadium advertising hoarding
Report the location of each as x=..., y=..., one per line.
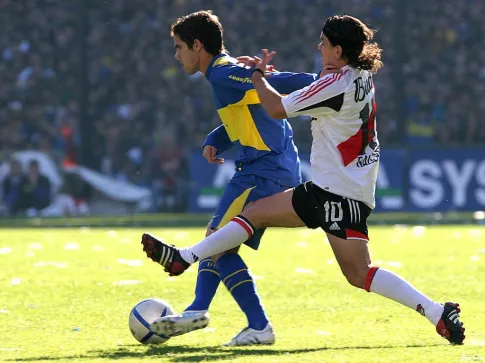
x=437, y=180
x=446, y=180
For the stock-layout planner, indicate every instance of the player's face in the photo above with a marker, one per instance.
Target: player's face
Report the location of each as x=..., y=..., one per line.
x=189, y=58
x=330, y=54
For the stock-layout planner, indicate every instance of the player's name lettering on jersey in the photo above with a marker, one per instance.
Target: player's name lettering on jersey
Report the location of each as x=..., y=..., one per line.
x=240, y=79
x=362, y=88
x=364, y=160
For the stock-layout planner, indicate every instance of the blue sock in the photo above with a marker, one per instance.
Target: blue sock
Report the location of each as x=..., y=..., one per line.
x=236, y=277
x=207, y=283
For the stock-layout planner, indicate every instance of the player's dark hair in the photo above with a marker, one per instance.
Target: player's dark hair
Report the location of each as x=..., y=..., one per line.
x=354, y=37
x=201, y=25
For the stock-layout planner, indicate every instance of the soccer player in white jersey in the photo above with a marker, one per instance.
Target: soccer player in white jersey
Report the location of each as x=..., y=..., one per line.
x=344, y=160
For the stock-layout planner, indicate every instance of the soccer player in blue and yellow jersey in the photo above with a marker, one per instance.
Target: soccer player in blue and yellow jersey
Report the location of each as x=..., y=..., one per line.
x=268, y=163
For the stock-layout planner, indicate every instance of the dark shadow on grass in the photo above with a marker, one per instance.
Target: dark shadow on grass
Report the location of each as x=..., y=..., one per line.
x=186, y=353
x=233, y=353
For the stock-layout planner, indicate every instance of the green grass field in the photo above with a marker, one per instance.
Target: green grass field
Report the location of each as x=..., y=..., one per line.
x=65, y=295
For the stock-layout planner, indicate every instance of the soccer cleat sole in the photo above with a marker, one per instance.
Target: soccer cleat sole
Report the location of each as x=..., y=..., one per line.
x=169, y=327
x=150, y=247
x=164, y=254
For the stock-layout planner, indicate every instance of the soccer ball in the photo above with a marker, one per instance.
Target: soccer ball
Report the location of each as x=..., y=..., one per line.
x=144, y=313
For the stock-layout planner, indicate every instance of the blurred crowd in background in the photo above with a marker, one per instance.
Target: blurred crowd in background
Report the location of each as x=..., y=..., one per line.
x=110, y=65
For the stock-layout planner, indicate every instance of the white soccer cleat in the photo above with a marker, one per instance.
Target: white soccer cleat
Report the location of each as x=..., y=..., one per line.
x=249, y=336
x=173, y=325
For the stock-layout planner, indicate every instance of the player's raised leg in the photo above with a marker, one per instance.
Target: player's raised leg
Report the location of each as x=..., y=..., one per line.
x=274, y=211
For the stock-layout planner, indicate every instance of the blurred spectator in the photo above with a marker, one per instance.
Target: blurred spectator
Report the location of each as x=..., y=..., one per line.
x=169, y=179
x=37, y=190
x=13, y=187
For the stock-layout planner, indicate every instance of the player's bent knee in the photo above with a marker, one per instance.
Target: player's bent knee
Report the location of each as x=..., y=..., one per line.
x=355, y=280
x=355, y=275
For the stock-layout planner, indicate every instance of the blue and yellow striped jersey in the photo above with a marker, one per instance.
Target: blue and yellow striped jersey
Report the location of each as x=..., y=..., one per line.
x=267, y=147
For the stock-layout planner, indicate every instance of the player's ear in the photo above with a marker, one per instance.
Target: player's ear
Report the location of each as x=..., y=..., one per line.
x=338, y=51
x=197, y=45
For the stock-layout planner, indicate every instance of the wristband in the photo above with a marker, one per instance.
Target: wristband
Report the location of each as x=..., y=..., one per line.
x=257, y=70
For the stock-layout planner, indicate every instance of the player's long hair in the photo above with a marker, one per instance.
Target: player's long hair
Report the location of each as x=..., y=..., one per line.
x=354, y=37
x=201, y=25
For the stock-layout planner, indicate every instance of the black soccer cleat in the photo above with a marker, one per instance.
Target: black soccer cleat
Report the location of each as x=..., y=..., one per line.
x=166, y=255
x=450, y=327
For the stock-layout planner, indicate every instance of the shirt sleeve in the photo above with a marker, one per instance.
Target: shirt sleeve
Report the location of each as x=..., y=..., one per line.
x=322, y=97
x=219, y=139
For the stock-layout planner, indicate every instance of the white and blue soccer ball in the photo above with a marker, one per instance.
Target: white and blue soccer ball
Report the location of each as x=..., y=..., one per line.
x=143, y=314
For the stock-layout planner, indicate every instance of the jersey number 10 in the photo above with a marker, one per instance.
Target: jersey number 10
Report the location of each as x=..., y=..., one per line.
x=333, y=211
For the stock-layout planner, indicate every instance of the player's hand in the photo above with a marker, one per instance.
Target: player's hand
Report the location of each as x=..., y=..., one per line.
x=248, y=60
x=328, y=69
x=262, y=64
x=209, y=153
x=253, y=61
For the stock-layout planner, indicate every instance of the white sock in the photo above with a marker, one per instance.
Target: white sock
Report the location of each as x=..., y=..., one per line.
x=233, y=234
x=393, y=287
